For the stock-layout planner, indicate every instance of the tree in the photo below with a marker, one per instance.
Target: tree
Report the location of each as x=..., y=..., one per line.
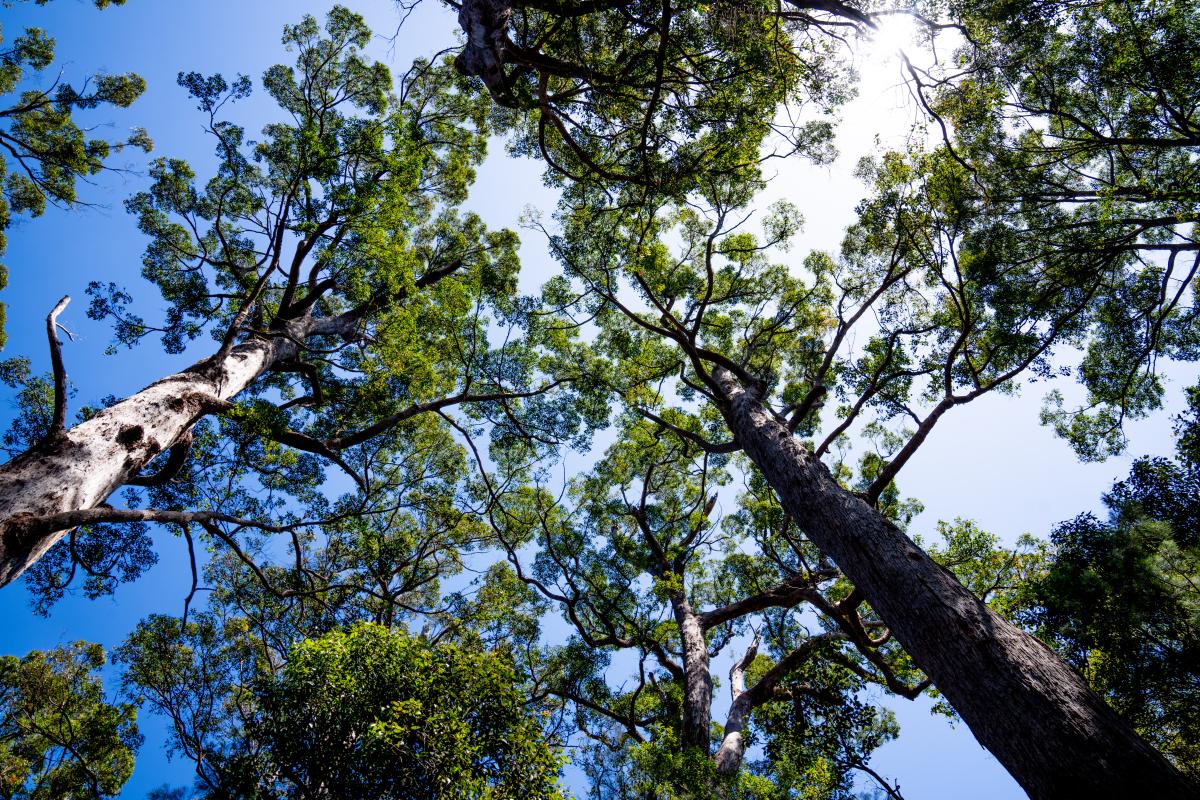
x=59, y=735
x=1119, y=597
x=349, y=296
x=43, y=151
x=1104, y=174
x=361, y=712
x=723, y=317
x=718, y=345
x=631, y=559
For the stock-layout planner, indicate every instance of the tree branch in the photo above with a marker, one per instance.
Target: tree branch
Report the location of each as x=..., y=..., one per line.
x=371, y=431
x=787, y=594
x=59, y=422
x=176, y=458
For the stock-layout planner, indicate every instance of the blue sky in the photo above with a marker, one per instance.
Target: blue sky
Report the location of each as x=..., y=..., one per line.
x=990, y=462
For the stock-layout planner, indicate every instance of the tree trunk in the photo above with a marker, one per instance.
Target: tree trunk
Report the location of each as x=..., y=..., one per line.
x=1034, y=713
x=732, y=750
x=82, y=466
x=697, y=679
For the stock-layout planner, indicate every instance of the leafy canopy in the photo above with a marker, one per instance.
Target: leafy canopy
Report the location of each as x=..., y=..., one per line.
x=357, y=713
x=59, y=735
x=43, y=150
x=339, y=237
x=1078, y=129
x=1119, y=597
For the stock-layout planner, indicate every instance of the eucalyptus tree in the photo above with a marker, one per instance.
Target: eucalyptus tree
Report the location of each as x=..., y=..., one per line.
x=736, y=353
x=654, y=581
x=346, y=290
x=43, y=150
x=952, y=289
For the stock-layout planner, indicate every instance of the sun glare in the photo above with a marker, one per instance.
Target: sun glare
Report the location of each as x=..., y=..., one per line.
x=895, y=33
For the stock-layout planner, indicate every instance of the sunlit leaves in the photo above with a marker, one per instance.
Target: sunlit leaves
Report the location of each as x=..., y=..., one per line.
x=46, y=152
x=364, y=712
x=373, y=713
x=60, y=736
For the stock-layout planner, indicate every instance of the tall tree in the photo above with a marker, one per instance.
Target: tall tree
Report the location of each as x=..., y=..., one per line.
x=644, y=565
x=43, y=151
x=757, y=347
x=59, y=735
x=349, y=295
x=955, y=295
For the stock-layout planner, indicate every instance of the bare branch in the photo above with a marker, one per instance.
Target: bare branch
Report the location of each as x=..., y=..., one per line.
x=59, y=422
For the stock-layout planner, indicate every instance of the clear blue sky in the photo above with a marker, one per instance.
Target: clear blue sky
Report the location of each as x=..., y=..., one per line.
x=1013, y=476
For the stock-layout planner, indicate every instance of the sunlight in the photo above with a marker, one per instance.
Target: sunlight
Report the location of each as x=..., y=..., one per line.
x=896, y=33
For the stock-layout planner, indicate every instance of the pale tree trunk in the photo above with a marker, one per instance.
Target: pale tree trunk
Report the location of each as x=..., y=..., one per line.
x=728, y=757
x=697, y=680
x=1034, y=713
x=81, y=467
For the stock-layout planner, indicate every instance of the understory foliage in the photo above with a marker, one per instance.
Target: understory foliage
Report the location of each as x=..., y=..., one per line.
x=361, y=712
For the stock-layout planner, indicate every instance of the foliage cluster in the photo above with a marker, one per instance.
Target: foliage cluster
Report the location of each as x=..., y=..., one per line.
x=60, y=736
x=43, y=150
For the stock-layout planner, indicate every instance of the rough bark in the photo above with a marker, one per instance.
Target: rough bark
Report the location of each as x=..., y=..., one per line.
x=1034, y=713
x=81, y=467
x=697, y=692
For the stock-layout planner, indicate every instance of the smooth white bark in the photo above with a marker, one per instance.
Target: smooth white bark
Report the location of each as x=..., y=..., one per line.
x=81, y=467
x=728, y=757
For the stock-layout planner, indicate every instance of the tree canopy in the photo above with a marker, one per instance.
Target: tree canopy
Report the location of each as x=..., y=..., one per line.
x=43, y=150
x=363, y=712
x=382, y=414
x=60, y=735
x=350, y=298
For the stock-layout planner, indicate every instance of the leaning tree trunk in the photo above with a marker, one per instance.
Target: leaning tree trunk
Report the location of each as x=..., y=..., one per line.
x=1035, y=714
x=81, y=467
